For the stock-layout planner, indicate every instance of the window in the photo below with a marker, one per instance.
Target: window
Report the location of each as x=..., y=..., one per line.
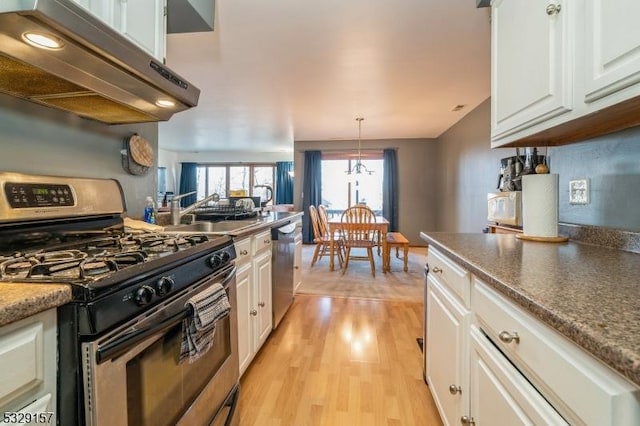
x=162, y=184
x=223, y=178
x=341, y=190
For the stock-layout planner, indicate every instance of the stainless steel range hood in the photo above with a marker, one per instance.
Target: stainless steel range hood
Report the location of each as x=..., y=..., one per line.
x=97, y=73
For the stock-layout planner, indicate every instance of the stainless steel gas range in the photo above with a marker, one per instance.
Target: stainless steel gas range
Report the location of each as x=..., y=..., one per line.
x=120, y=339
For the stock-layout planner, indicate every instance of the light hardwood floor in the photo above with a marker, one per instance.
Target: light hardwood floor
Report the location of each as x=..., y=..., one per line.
x=340, y=361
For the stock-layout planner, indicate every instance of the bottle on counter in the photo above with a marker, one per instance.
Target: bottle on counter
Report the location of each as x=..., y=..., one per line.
x=150, y=211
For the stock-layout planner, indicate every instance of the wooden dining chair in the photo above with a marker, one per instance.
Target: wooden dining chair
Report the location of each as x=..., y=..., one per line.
x=358, y=233
x=337, y=237
x=321, y=238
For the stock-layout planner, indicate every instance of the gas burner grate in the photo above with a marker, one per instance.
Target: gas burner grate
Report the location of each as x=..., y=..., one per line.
x=93, y=258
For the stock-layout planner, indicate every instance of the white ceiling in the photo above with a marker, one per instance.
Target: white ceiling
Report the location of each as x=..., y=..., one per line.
x=275, y=71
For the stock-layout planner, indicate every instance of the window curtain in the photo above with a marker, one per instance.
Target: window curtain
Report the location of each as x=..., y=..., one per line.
x=311, y=188
x=390, y=188
x=188, y=183
x=284, y=182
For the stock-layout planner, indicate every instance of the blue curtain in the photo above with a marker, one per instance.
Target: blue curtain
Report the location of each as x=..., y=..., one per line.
x=390, y=189
x=310, y=190
x=284, y=182
x=188, y=183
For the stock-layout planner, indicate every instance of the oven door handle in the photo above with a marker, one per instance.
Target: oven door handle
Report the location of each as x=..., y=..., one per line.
x=123, y=343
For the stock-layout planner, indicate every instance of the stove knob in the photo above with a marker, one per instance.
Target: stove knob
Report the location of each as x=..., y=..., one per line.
x=144, y=295
x=215, y=261
x=225, y=256
x=164, y=286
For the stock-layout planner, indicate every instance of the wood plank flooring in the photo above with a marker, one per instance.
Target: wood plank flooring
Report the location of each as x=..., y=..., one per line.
x=340, y=361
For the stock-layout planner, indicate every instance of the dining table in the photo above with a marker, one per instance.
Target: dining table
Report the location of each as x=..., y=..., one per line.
x=381, y=225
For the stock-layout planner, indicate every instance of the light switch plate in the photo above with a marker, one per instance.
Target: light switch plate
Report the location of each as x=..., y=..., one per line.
x=579, y=191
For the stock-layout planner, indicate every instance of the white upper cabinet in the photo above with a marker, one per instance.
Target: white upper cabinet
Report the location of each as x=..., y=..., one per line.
x=563, y=71
x=531, y=64
x=141, y=21
x=144, y=22
x=613, y=47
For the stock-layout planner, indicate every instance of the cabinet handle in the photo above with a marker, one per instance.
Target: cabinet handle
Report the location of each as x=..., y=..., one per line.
x=244, y=252
x=453, y=389
x=553, y=9
x=467, y=421
x=437, y=270
x=253, y=312
x=261, y=304
x=267, y=241
x=507, y=337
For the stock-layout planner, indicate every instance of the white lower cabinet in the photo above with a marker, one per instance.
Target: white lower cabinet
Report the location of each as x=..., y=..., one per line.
x=28, y=356
x=262, y=310
x=500, y=395
x=489, y=362
x=253, y=282
x=244, y=283
x=297, y=264
x=447, y=352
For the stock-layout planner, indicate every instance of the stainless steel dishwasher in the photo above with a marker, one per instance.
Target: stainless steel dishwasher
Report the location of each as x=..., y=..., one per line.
x=283, y=252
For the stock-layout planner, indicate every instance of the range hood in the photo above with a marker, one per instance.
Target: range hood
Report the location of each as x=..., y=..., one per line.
x=97, y=73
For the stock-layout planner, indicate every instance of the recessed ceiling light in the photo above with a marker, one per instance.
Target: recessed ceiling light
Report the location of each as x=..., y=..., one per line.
x=165, y=103
x=42, y=40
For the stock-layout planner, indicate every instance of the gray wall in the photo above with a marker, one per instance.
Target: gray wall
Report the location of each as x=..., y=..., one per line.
x=612, y=165
x=417, y=164
x=469, y=169
x=40, y=140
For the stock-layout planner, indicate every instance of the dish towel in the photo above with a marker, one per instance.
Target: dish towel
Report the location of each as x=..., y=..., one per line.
x=199, y=328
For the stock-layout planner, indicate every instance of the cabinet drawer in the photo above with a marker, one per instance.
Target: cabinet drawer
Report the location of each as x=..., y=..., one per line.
x=580, y=387
x=243, y=250
x=451, y=275
x=262, y=241
x=502, y=395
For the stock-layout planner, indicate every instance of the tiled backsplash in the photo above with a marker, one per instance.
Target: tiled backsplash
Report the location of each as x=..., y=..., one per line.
x=605, y=237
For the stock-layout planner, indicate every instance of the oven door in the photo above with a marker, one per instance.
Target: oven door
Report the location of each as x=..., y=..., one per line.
x=132, y=376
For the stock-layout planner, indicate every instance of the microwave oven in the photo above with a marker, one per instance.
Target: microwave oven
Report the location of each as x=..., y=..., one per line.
x=505, y=207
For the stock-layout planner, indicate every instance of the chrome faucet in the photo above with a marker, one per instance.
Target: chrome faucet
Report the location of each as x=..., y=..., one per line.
x=177, y=212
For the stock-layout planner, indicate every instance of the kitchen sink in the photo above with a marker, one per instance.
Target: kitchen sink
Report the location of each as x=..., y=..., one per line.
x=206, y=227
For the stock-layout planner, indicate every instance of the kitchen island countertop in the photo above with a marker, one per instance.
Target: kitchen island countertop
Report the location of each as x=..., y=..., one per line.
x=590, y=294
x=21, y=300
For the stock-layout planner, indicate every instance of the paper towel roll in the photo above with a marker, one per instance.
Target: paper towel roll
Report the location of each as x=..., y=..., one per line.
x=540, y=205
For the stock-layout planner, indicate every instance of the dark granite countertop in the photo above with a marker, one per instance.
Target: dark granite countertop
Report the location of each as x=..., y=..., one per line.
x=21, y=300
x=590, y=294
x=271, y=220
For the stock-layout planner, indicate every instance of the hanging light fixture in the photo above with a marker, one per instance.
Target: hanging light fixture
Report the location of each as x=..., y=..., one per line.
x=359, y=168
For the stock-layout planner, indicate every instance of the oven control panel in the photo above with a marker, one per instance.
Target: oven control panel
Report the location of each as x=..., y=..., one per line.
x=35, y=195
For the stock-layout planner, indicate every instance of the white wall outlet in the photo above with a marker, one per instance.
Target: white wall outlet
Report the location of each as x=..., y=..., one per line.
x=579, y=191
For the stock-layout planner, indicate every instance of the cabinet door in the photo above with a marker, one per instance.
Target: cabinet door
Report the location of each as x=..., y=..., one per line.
x=262, y=298
x=144, y=22
x=244, y=281
x=500, y=395
x=297, y=264
x=531, y=64
x=612, y=50
x=103, y=9
x=447, y=352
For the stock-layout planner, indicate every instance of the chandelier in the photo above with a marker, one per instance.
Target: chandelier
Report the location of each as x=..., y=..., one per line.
x=359, y=168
